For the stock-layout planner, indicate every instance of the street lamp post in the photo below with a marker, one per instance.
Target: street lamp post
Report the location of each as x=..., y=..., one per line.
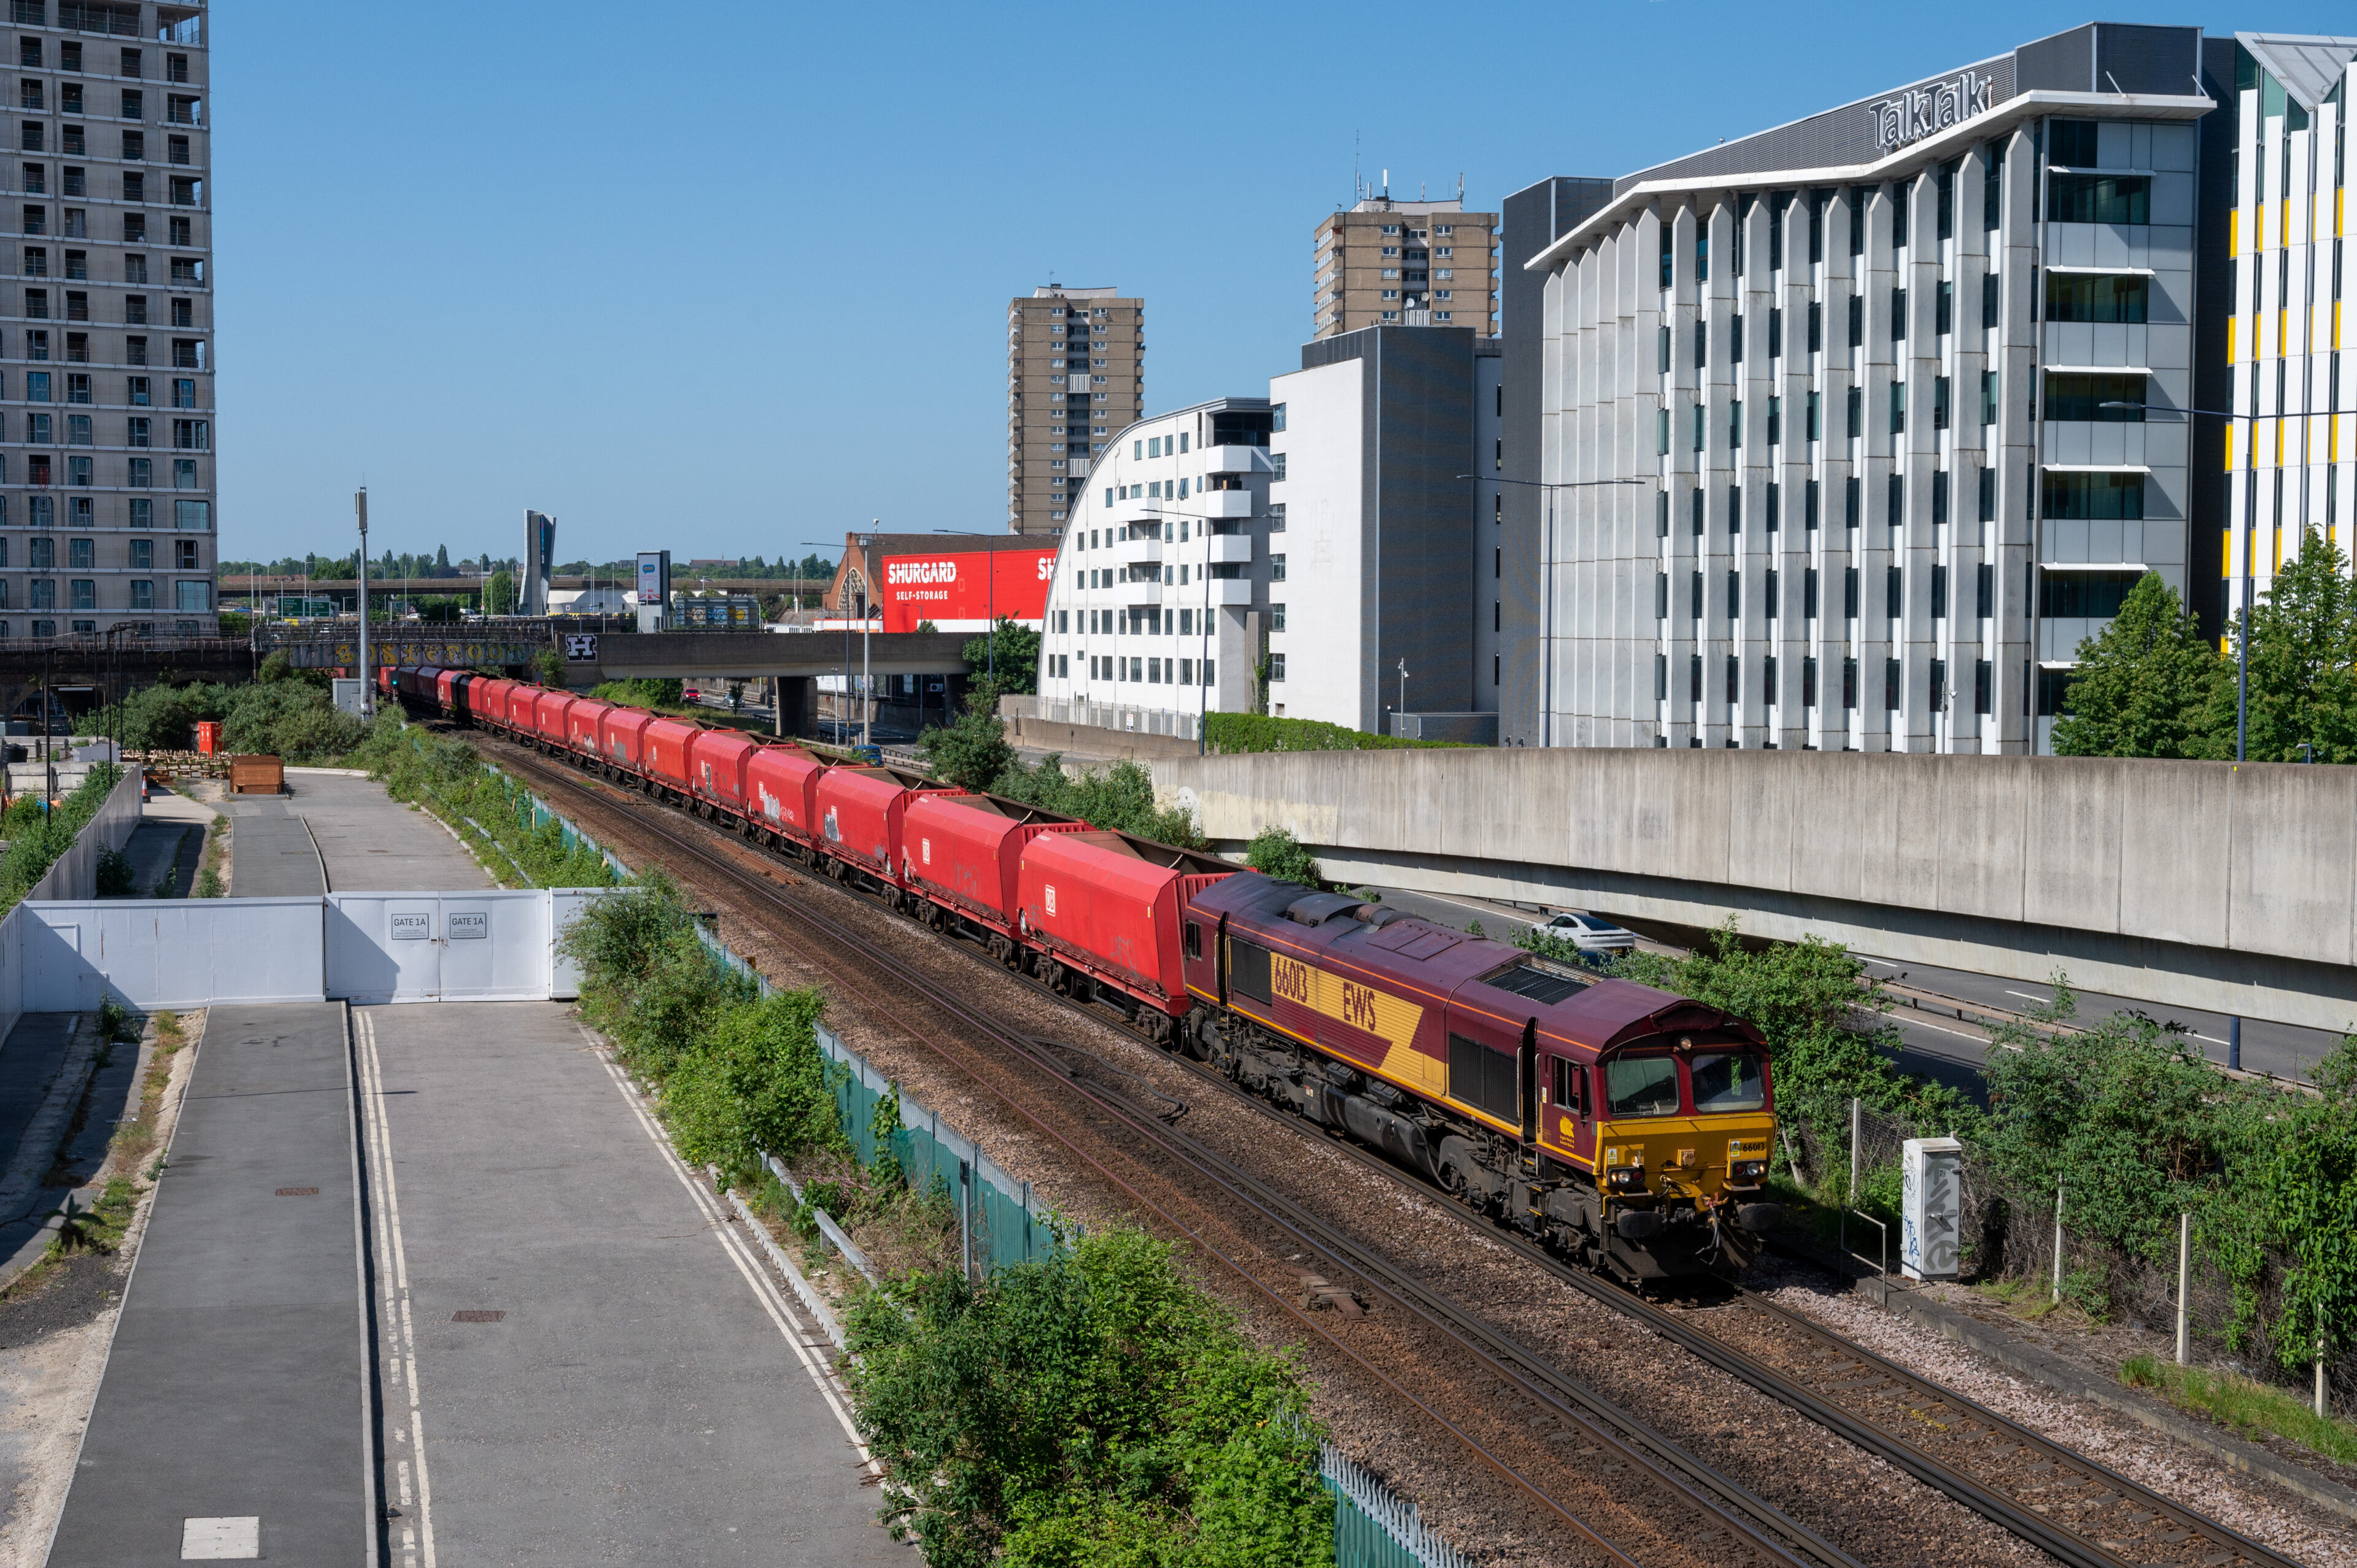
x=1546, y=587
x=368, y=676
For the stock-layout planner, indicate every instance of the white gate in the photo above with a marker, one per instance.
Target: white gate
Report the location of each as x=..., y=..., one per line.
x=438, y=947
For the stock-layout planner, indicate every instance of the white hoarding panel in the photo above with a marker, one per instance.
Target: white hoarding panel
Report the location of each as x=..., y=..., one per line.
x=174, y=952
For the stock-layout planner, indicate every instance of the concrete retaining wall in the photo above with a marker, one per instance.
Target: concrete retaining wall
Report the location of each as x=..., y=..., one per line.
x=2197, y=884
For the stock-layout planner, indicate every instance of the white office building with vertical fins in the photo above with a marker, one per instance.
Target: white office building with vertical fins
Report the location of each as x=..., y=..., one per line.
x=1852, y=429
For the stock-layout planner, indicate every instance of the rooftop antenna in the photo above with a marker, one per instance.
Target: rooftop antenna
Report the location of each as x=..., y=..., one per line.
x=1387, y=185
x=1461, y=190
x=1419, y=190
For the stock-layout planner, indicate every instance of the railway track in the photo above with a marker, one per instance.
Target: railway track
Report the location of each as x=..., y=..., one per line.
x=1648, y=1472
x=2074, y=1507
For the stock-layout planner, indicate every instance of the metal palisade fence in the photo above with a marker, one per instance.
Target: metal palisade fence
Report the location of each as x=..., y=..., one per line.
x=1004, y=1224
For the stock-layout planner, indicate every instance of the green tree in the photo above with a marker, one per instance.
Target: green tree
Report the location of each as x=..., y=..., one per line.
x=1092, y=1408
x=973, y=752
x=2145, y=683
x=1274, y=852
x=499, y=593
x=441, y=560
x=2303, y=664
x=1017, y=663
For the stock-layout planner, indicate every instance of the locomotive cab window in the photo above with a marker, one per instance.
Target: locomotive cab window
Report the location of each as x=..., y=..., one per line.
x=1728, y=1080
x=1194, y=939
x=1642, y=1086
x=1568, y=1082
x=1248, y=970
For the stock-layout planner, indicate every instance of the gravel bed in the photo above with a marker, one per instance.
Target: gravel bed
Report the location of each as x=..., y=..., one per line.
x=2266, y=1513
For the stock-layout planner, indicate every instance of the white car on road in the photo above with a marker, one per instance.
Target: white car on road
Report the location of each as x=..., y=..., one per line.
x=1587, y=933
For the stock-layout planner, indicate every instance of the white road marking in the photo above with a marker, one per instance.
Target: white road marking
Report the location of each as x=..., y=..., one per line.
x=2030, y=996
x=204, y=1540
x=756, y=1274
x=395, y=1272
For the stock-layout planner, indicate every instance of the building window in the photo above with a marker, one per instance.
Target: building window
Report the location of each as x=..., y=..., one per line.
x=1816, y=419
x=184, y=554
x=2098, y=198
x=1988, y=495
x=196, y=517
x=1856, y=410
x=78, y=471
x=85, y=593
x=1277, y=618
x=2089, y=398
x=2099, y=495
x=192, y=598
x=138, y=474
x=1898, y=407
x=1277, y=568
x=184, y=474
x=1275, y=666
x=143, y=593
x=2082, y=296
x=1940, y=402
x=143, y=554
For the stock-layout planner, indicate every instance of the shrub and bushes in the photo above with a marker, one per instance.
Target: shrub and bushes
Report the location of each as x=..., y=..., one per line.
x=2123, y=1113
x=1091, y=1408
x=1260, y=732
x=281, y=713
x=36, y=835
x=974, y=754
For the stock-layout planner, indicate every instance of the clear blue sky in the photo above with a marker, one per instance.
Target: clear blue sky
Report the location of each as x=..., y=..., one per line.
x=726, y=279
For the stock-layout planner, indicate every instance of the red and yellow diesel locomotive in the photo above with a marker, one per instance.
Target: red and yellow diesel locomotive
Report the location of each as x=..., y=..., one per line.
x=1625, y=1126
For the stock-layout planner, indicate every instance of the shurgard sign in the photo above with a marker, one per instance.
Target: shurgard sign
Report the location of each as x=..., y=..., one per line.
x=958, y=587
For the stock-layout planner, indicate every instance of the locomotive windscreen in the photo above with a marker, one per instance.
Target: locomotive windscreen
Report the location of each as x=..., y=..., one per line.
x=1541, y=981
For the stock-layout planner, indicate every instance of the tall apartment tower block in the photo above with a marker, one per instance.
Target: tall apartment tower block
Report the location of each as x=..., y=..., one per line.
x=1392, y=264
x=1076, y=376
x=106, y=314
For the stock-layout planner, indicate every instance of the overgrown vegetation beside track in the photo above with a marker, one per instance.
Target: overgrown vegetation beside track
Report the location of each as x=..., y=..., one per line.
x=1093, y=1408
x=2122, y=1114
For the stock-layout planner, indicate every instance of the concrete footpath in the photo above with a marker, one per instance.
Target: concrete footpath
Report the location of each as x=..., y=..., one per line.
x=340, y=835
x=233, y=1418
x=603, y=1374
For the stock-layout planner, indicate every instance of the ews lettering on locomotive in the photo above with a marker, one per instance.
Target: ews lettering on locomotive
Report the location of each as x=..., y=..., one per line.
x=1359, y=1007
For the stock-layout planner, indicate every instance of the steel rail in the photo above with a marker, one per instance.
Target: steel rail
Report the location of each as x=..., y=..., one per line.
x=1713, y=1494
x=2205, y=1538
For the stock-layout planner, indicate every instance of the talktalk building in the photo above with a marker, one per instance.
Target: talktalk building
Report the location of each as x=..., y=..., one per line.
x=1843, y=436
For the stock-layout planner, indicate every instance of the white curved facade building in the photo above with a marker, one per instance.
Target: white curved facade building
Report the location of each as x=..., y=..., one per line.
x=1161, y=604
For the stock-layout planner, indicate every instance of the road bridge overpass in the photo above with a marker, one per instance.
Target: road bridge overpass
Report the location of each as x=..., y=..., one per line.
x=2201, y=885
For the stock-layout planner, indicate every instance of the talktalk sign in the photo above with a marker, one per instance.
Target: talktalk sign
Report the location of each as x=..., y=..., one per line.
x=966, y=586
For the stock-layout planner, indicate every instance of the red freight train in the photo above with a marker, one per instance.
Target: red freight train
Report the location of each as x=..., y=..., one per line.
x=1621, y=1124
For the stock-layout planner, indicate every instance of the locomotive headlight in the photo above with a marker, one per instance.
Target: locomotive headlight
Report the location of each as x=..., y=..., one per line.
x=1748, y=1170
x=1625, y=1178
